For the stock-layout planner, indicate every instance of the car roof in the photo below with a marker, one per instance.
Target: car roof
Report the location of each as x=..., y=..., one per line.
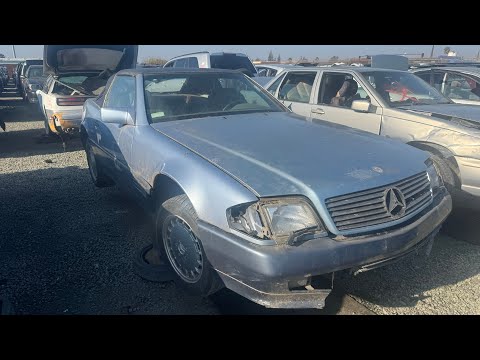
x=336, y=68
x=470, y=69
x=153, y=71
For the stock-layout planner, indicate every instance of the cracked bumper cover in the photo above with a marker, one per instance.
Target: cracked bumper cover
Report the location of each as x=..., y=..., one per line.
x=65, y=121
x=263, y=273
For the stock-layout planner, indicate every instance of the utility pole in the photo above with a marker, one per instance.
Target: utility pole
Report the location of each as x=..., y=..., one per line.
x=431, y=53
x=478, y=55
x=14, y=54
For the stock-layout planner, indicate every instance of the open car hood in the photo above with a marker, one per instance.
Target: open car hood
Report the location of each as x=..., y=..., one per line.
x=61, y=59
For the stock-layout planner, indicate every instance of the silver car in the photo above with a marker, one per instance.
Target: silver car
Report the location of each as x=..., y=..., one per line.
x=460, y=84
x=395, y=104
x=247, y=195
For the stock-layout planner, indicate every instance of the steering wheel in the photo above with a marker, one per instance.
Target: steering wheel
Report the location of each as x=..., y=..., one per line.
x=232, y=104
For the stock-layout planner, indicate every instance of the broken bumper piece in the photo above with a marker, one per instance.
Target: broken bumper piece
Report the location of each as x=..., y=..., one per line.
x=288, y=276
x=64, y=122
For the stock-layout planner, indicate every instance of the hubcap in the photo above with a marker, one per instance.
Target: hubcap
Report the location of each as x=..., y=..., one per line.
x=183, y=249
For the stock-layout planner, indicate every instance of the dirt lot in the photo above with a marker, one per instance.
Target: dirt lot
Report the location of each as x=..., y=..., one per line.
x=67, y=247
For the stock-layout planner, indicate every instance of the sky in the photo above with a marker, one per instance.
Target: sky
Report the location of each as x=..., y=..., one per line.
x=324, y=52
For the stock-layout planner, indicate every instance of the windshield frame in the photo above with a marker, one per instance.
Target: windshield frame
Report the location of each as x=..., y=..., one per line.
x=442, y=99
x=277, y=106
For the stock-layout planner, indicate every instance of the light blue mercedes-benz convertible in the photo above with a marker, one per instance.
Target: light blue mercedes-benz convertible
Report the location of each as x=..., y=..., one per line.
x=247, y=195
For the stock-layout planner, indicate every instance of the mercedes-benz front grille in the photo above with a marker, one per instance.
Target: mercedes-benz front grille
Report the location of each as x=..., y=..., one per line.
x=380, y=205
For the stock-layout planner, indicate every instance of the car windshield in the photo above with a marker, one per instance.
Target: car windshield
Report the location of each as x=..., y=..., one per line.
x=192, y=95
x=403, y=88
x=35, y=71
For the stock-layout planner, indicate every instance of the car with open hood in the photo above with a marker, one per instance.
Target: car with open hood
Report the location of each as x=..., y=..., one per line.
x=245, y=194
x=76, y=73
x=396, y=104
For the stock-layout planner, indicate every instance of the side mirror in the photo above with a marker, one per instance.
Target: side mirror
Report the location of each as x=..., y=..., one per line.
x=363, y=106
x=117, y=116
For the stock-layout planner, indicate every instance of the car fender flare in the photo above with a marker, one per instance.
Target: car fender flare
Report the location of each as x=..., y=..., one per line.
x=439, y=150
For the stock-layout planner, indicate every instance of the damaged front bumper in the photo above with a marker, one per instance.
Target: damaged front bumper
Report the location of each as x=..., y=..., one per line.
x=65, y=122
x=285, y=276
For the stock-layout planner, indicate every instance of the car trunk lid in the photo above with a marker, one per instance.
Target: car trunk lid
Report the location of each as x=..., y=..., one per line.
x=62, y=59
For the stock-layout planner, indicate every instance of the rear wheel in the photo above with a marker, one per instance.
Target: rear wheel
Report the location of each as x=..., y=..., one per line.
x=96, y=173
x=176, y=239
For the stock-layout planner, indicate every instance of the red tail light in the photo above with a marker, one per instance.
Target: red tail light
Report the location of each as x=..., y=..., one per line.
x=71, y=101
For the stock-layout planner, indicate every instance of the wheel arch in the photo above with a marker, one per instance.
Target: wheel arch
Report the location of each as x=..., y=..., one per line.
x=440, y=151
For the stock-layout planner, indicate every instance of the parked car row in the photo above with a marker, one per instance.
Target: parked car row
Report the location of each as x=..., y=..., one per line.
x=267, y=191
x=394, y=104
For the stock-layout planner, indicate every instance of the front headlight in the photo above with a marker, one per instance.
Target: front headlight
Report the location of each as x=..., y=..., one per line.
x=284, y=220
x=435, y=180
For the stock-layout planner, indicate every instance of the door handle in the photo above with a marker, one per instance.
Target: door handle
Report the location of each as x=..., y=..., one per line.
x=318, y=111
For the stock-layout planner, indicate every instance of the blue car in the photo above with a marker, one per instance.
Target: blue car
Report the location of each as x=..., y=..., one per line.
x=244, y=194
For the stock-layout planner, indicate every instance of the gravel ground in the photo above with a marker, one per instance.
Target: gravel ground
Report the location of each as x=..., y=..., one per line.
x=67, y=248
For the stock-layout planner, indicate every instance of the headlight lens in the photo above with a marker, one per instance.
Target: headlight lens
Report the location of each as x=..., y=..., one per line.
x=284, y=220
x=435, y=180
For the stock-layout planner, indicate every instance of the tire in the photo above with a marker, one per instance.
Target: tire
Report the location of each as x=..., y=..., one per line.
x=445, y=172
x=152, y=272
x=176, y=240
x=96, y=173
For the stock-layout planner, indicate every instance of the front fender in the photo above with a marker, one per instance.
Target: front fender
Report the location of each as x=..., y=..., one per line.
x=210, y=189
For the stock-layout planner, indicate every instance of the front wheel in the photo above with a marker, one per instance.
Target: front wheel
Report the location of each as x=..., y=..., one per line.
x=176, y=239
x=96, y=173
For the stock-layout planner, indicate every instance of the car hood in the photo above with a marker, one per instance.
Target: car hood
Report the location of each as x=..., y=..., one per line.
x=61, y=59
x=282, y=153
x=448, y=111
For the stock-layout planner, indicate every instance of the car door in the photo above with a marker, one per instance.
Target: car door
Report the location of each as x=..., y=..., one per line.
x=42, y=93
x=461, y=88
x=115, y=140
x=295, y=91
x=324, y=109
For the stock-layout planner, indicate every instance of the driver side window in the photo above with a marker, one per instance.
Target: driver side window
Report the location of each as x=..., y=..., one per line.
x=339, y=89
x=122, y=93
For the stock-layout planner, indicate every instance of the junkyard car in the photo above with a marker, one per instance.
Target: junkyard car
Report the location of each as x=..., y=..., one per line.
x=22, y=71
x=77, y=73
x=266, y=72
x=220, y=60
x=4, y=75
x=247, y=195
x=395, y=104
x=34, y=81
x=460, y=84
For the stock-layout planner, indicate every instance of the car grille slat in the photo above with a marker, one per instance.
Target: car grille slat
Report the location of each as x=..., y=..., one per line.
x=352, y=201
x=414, y=202
x=361, y=204
x=368, y=208
x=358, y=209
x=413, y=185
x=360, y=214
x=363, y=219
